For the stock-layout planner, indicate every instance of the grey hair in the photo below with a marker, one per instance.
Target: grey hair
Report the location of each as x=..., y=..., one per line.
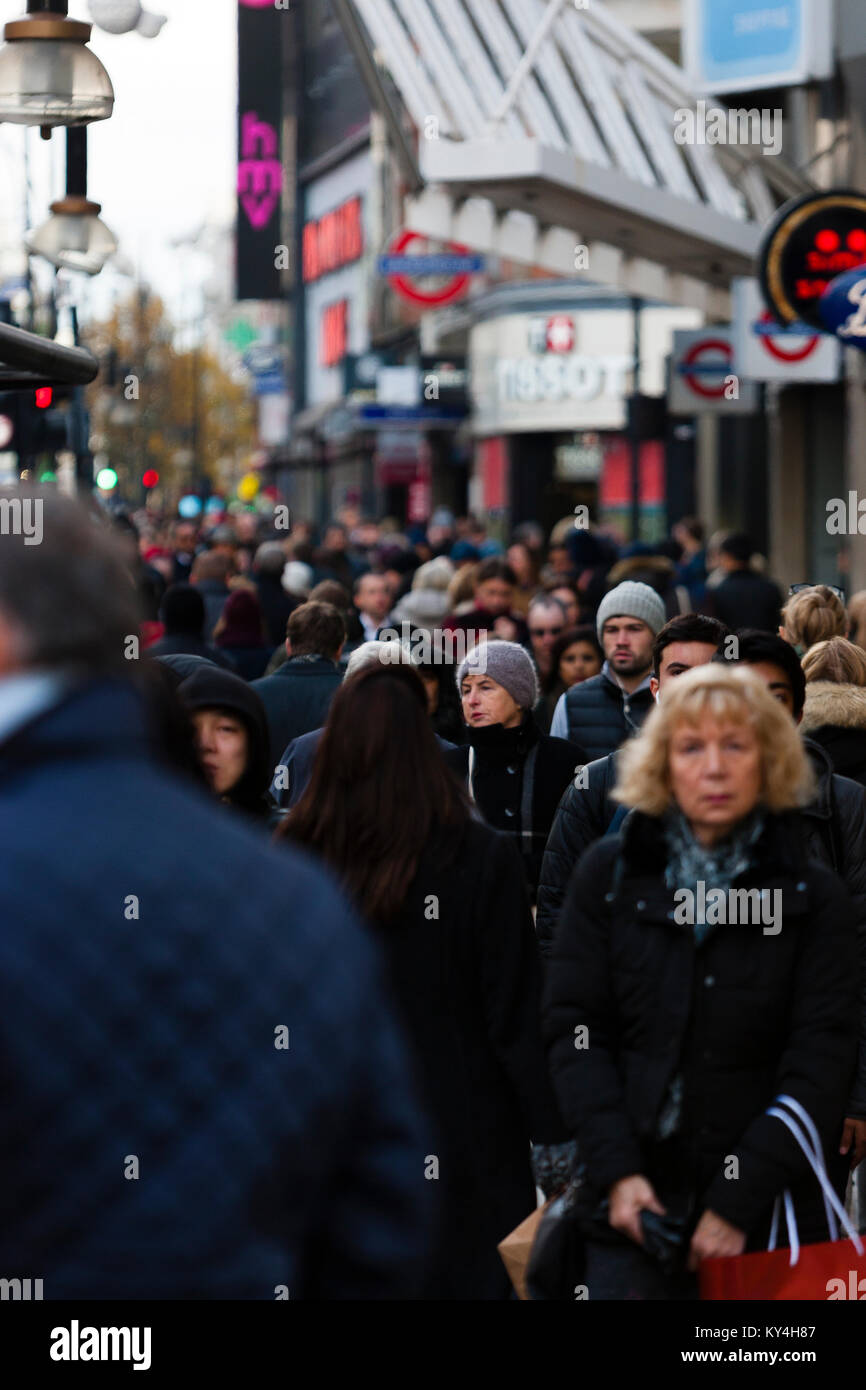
x=70, y=598
x=370, y=652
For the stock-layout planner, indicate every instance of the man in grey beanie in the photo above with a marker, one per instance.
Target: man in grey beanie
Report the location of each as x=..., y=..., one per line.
x=602, y=712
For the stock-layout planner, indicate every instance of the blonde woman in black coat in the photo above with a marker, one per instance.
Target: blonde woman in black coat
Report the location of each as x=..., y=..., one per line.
x=679, y=1006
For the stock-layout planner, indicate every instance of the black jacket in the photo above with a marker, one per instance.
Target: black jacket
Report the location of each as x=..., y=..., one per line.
x=184, y=644
x=744, y=1018
x=601, y=716
x=746, y=599
x=498, y=782
x=277, y=606
x=466, y=979
x=835, y=717
x=583, y=816
x=297, y=698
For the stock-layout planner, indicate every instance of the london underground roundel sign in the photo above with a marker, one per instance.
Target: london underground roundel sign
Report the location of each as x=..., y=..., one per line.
x=457, y=264
x=811, y=240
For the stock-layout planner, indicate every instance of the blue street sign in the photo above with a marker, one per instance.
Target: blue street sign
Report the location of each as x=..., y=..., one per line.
x=739, y=45
x=269, y=383
x=843, y=307
x=448, y=263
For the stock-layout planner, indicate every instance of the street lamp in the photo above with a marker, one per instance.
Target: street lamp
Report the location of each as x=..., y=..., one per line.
x=74, y=237
x=48, y=75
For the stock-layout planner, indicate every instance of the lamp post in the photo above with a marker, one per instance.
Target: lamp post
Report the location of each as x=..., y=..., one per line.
x=74, y=237
x=48, y=75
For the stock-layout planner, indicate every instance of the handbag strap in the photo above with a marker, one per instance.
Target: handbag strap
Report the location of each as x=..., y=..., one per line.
x=803, y=1133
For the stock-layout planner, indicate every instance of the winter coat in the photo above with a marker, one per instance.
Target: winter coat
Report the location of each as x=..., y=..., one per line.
x=498, y=782
x=214, y=592
x=583, y=816
x=183, y=644
x=298, y=760
x=151, y=948
x=466, y=978
x=746, y=599
x=249, y=662
x=601, y=715
x=743, y=1018
x=297, y=698
x=835, y=717
x=277, y=606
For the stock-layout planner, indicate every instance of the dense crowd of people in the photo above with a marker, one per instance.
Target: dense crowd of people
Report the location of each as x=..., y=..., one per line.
x=360, y=884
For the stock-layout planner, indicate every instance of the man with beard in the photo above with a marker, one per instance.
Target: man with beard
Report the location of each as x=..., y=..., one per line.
x=602, y=712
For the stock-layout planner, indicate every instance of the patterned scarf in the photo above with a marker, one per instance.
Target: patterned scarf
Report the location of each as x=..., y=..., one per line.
x=717, y=866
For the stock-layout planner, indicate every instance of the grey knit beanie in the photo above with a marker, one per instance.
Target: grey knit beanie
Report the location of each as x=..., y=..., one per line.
x=632, y=600
x=507, y=664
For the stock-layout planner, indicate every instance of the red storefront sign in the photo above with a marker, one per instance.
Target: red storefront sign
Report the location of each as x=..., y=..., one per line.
x=334, y=333
x=335, y=240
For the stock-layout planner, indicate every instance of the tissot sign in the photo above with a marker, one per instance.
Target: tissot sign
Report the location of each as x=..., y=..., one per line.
x=259, y=176
x=564, y=370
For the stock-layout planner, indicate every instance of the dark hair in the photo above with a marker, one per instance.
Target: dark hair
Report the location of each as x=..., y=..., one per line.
x=754, y=647
x=694, y=527
x=739, y=547
x=585, y=633
x=688, y=627
x=447, y=719
x=70, y=594
x=316, y=628
x=182, y=610
x=494, y=568
x=331, y=591
x=367, y=816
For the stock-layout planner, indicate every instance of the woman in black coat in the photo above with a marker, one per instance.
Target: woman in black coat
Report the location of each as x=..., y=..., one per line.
x=447, y=899
x=672, y=1032
x=515, y=774
x=835, y=711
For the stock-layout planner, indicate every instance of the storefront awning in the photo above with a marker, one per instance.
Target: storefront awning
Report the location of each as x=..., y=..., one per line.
x=543, y=127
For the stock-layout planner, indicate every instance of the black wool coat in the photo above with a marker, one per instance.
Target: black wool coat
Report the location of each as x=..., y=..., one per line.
x=498, y=781
x=743, y=1018
x=465, y=975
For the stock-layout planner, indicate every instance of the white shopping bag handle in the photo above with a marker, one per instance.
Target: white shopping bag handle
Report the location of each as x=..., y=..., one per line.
x=803, y=1130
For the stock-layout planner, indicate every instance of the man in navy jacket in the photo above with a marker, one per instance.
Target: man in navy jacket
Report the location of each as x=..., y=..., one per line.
x=203, y=1091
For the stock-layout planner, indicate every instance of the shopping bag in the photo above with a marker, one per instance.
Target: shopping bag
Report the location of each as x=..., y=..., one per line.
x=828, y=1271
x=516, y=1248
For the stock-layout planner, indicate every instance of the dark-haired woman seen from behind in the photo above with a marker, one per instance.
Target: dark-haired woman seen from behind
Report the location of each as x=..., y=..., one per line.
x=446, y=895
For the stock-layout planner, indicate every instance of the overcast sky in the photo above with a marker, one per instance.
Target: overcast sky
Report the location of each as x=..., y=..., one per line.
x=163, y=165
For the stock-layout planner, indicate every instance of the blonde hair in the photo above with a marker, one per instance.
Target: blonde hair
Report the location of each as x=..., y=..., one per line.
x=729, y=694
x=814, y=615
x=838, y=660
x=857, y=618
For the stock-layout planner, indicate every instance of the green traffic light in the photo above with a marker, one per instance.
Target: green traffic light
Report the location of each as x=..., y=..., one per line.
x=48, y=477
x=106, y=479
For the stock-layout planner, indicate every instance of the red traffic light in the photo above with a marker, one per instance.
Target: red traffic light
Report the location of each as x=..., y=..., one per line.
x=150, y=478
x=44, y=397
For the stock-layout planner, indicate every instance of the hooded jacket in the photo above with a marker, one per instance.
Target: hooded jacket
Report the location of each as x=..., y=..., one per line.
x=211, y=688
x=835, y=717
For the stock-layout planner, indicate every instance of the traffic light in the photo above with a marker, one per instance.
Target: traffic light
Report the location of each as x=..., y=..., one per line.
x=37, y=426
x=150, y=478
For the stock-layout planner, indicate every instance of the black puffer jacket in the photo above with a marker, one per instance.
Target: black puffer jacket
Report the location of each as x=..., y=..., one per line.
x=584, y=814
x=743, y=1018
x=601, y=716
x=498, y=783
x=835, y=717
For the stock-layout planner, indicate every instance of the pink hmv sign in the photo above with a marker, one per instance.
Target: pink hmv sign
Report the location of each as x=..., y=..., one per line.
x=260, y=172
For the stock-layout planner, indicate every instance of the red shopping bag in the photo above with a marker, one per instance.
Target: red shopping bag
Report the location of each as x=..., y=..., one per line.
x=835, y=1269
x=832, y=1270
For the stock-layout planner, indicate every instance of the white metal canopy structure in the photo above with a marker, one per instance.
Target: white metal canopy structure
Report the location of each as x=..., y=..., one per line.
x=544, y=126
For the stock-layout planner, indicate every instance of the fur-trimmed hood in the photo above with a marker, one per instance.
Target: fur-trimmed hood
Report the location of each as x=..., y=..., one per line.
x=837, y=706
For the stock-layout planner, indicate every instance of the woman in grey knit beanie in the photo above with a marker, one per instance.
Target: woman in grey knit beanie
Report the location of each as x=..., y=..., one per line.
x=515, y=774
